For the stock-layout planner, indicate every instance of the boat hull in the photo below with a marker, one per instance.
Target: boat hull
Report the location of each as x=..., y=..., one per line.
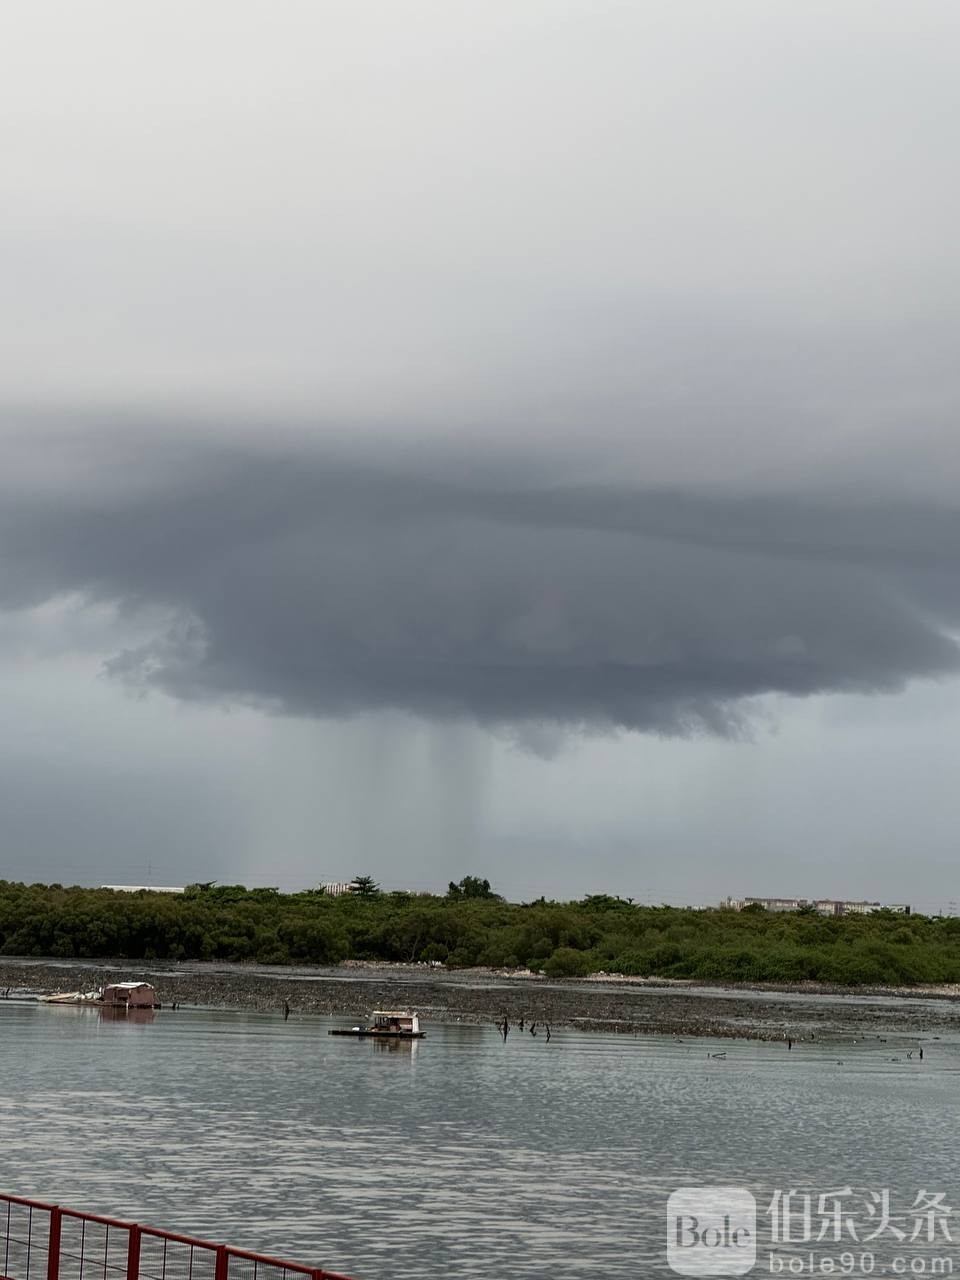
x=365, y=1034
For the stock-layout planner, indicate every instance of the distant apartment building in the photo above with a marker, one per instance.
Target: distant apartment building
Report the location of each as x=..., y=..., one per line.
x=337, y=888
x=823, y=906
x=143, y=888
x=768, y=904
x=864, y=908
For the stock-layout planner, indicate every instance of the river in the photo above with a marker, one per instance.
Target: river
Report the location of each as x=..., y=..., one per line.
x=457, y=1156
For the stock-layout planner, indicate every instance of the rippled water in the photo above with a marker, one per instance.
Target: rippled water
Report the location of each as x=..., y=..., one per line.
x=458, y=1156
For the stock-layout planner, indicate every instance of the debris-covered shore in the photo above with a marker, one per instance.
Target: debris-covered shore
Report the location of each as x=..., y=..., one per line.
x=472, y=996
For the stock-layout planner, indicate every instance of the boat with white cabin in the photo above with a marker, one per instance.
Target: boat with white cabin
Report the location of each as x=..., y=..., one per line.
x=386, y=1024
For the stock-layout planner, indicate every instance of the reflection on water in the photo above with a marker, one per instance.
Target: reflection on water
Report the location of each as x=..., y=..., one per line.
x=457, y=1156
x=393, y=1044
x=120, y=1013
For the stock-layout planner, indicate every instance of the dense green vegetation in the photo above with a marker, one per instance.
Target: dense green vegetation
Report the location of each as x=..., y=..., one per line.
x=472, y=926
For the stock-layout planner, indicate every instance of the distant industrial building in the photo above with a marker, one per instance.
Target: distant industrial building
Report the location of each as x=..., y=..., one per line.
x=338, y=888
x=142, y=888
x=823, y=906
x=768, y=904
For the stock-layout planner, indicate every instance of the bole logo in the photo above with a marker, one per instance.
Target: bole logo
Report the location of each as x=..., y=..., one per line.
x=711, y=1231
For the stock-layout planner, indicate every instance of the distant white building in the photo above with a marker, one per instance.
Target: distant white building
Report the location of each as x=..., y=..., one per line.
x=142, y=888
x=824, y=906
x=848, y=908
x=768, y=904
x=337, y=888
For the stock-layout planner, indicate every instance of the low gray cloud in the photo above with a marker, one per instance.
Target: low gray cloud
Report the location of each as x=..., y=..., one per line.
x=561, y=367
x=321, y=582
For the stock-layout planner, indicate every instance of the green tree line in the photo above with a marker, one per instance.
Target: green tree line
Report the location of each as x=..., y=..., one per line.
x=471, y=925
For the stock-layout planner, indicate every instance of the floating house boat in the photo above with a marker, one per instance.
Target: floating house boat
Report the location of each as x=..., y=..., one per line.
x=386, y=1025
x=118, y=995
x=130, y=995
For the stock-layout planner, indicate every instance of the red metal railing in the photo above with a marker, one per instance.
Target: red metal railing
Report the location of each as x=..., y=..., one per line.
x=40, y=1241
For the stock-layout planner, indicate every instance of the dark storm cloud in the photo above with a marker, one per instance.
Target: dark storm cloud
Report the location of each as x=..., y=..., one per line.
x=325, y=584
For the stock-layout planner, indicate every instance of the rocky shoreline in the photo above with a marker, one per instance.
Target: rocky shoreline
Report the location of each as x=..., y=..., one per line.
x=609, y=1003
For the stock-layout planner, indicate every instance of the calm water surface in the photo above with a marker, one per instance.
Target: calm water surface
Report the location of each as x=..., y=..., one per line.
x=480, y=1158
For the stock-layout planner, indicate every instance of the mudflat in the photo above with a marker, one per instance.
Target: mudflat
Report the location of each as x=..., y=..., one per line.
x=603, y=1003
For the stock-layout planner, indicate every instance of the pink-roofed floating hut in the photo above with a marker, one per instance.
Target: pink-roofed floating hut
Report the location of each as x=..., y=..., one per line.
x=130, y=995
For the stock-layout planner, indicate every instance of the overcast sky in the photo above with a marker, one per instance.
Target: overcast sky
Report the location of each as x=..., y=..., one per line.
x=517, y=439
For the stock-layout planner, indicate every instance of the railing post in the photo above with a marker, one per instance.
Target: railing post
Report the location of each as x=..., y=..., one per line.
x=53, y=1249
x=133, y=1252
x=223, y=1263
